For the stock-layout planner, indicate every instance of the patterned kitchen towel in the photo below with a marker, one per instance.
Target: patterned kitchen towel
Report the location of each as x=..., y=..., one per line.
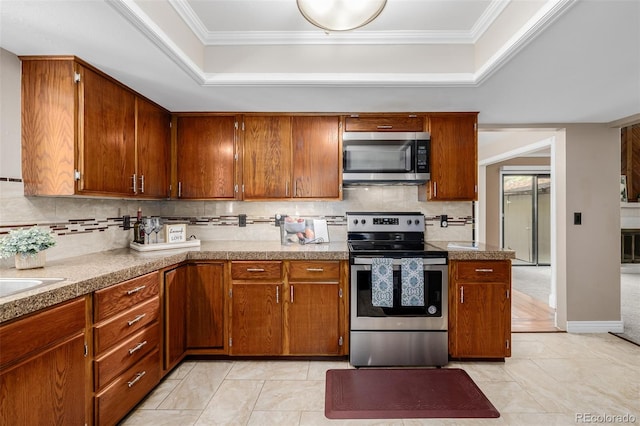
x=412, y=281
x=382, y=282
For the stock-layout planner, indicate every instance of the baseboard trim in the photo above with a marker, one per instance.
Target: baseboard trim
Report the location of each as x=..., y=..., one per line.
x=595, y=327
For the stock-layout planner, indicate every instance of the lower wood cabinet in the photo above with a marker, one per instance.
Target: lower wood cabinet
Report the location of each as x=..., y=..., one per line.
x=43, y=366
x=480, y=309
x=287, y=308
x=194, y=310
x=126, y=346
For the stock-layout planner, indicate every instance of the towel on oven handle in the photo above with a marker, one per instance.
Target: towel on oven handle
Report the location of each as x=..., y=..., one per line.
x=382, y=282
x=412, y=281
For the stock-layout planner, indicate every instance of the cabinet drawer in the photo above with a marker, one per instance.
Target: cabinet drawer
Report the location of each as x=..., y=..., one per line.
x=483, y=271
x=314, y=271
x=26, y=335
x=125, y=355
x=382, y=124
x=117, y=328
x=119, y=297
x=256, y=270
x=127, y=390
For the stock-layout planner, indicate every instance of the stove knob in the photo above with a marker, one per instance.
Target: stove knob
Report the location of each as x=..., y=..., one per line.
x=417, y=221
x=355, y=221
x=408, y=221
x=364, y=221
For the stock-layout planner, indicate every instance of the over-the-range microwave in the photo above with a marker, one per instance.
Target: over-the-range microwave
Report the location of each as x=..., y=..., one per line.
x=400, y=158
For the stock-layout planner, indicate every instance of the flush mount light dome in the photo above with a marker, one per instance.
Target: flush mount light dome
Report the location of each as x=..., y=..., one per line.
x=340, y=15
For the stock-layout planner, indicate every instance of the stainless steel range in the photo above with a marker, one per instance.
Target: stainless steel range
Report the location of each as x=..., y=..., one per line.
x=398, y=292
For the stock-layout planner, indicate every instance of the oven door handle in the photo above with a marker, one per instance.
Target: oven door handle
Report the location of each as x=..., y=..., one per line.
x=398, y=262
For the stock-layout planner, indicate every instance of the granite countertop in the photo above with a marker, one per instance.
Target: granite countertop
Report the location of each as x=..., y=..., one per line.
x=85, y=274
x=466, y=250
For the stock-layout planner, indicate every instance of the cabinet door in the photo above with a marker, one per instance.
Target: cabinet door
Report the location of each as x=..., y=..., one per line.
x=205, y=303
x=313, y=319
x=482, y=320
x=43, y=367
x=106, y=144
x=48, y=127
x=175, y=300
x=454, y=160
x=153, y=150
x=385, y=123
x=205, y=160
x=256, y=325
x=267, y=157
x=316, y=157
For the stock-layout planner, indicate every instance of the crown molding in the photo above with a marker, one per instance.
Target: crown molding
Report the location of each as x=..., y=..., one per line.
x=551, y=11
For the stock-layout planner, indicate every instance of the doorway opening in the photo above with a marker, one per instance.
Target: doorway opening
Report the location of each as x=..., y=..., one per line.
x=526, y=229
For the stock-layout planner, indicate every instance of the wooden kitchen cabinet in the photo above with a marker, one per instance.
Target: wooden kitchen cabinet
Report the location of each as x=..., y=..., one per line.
x=480, y=309
x=43, y=367
x=313, y=309
x=205, y=306
x=317, y=164
x=83, y=133
x=126, y=348
x=206, y=162
x=175, y=316
x=288, y=308
x=287, y=157
x=256, y=308
x=153, y=141
x=266, y=154
x=385, y=123
x=454, y=158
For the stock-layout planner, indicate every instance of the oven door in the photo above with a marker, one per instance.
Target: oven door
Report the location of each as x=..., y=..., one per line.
x=432, y=316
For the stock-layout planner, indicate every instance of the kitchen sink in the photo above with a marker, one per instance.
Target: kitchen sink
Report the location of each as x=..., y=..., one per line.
x=15, y=285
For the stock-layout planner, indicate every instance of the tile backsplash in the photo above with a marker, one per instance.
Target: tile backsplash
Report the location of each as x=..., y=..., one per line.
x=85, y=225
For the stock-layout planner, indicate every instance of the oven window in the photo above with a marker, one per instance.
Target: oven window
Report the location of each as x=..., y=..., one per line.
x=432, y=293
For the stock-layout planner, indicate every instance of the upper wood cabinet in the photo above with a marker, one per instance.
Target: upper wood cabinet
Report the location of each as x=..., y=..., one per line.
x=454, y=158
x=206, y=160
x=288, y=157
x=106, y=146
x=267, y=157
x=316, y=157
x=153, y=141
x=385, y=123
x=80, y=133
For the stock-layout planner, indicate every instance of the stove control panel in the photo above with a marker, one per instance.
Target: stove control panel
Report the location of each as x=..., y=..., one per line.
x=385, y=222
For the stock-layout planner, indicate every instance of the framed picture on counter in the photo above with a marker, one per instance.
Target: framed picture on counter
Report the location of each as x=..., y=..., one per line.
x=175, y=233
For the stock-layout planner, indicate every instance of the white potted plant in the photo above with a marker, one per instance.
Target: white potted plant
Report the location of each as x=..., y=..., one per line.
x=27, y=245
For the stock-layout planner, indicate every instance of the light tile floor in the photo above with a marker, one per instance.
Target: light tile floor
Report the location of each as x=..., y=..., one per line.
x=551, y=379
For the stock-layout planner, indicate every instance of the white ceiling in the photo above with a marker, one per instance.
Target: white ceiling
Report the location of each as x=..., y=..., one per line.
x=516, y=62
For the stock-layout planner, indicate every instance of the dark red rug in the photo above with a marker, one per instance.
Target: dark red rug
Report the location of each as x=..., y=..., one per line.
x=404, y=394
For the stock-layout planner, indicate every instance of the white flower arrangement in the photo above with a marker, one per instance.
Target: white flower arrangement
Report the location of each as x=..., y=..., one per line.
x=26, y=242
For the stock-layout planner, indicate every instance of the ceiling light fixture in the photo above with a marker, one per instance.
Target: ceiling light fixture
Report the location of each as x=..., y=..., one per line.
x=340, y=15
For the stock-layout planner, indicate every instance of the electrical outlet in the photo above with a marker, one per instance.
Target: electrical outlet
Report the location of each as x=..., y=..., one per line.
x=444, y=220
x=126, y=222
x=242, y=220
x=280, y=218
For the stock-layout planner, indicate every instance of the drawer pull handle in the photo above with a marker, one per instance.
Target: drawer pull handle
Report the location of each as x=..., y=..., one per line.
x=136, y=319
x=384, y=126
x=135, y=379
x=255, y=269
x=137, y=347
x=291, y=294
x=315, y=269
x=484, y=270
x=135, y=290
